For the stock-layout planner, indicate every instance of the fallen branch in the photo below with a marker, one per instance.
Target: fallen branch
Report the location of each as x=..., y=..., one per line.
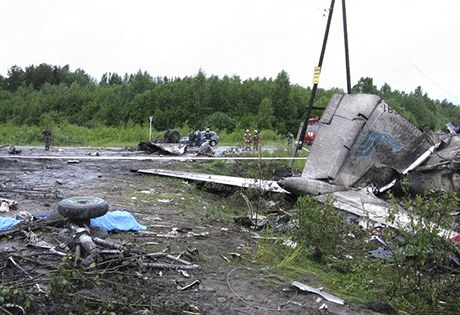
x=25, y=272
x=188, y=286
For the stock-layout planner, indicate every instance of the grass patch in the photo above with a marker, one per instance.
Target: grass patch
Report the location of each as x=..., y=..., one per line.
x=415, y=280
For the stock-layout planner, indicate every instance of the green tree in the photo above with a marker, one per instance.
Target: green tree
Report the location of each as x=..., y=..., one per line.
x=38, y=76
x=282, y=107
x=365, y=85
x=15, y=79
x=265, y=118
x=220, y=121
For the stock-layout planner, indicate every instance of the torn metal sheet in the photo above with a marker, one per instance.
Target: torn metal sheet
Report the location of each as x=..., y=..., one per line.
x=325, y=295
x=365, y=204
x=173, y=148
x=266, y=185
x=165, y=147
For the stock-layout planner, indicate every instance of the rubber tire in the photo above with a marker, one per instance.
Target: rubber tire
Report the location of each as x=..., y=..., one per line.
x=82, y=208
x=173, y=136
x=212, y=143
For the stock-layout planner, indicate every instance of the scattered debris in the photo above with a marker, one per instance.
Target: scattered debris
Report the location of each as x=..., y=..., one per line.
x=163, y=147
x=87, y=246
x=190, y=285
x=325, y=295
x=235, y=255
x=323, y=309
x=7, y=204
x=281, y=220
x=205, y=149
x=224, y=258
x=73, y=161
x=165, y=200
x=13, y=150
x=184, y=273
x=12, y=309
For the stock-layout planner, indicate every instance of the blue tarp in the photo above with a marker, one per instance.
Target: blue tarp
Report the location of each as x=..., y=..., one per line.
x=119, y=220
x=7, y=223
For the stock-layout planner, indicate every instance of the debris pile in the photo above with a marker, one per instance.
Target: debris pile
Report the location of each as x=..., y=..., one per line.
x=35, y=250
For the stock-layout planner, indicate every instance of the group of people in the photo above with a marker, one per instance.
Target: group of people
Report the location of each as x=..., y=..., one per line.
x=254, y=139
x=194, y=137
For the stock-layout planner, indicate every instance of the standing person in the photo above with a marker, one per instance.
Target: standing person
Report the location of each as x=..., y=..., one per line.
x=197, y=138
x=247, y=140
x=191, y=138
x=256, y=140
x=47, y=134
x=289, y=137
x=207, y=135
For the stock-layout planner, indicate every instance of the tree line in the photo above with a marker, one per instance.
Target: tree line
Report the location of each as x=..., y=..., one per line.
x=50, y=95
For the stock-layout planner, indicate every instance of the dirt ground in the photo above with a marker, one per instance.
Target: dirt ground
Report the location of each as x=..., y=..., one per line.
x=228, y=284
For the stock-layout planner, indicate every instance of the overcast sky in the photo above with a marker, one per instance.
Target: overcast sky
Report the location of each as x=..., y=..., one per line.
x=405, y=43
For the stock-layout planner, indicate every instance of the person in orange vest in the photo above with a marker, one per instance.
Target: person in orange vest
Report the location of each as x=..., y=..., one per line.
x=256, y=140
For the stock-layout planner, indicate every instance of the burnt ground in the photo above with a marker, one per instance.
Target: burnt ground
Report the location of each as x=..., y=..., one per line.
x=227, y=285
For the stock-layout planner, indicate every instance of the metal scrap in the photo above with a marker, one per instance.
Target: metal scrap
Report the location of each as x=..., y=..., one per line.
x=325, y=295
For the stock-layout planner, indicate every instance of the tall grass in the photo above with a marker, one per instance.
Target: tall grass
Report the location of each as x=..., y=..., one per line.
x=72, y=135
x=415, y=279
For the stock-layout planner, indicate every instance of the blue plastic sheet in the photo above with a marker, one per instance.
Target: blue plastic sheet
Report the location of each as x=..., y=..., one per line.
x=119, y=220
x=7, y=223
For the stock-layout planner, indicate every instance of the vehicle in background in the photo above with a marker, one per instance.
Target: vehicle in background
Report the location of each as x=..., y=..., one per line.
x=171, y=136
x=312, y=130
x=200, y=138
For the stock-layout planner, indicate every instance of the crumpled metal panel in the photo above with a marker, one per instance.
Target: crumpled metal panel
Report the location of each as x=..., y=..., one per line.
x=440, y=171
x=383, y=141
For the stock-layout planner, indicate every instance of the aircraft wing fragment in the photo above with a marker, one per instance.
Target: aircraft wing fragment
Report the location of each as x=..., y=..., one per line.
x=266, y=185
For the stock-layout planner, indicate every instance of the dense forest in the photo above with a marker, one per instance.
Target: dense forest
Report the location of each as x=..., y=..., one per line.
x=49, y=95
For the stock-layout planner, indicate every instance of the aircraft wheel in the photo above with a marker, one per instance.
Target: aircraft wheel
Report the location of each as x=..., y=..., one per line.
x=82, y=208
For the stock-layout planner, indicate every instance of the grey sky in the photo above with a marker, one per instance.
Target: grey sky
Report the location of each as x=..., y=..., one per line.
x=405, y=43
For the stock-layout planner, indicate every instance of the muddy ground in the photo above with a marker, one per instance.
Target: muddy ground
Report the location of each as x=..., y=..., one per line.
x=227, y=284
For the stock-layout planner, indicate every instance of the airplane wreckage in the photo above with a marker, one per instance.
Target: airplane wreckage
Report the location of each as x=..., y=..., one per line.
x=362, y=149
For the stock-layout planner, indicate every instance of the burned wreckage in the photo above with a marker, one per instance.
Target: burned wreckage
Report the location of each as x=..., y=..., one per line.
x=362, y=149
